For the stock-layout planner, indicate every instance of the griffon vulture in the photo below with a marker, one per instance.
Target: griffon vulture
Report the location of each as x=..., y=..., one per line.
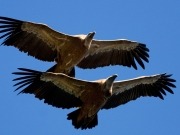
x=91, y=96
x=46, y=44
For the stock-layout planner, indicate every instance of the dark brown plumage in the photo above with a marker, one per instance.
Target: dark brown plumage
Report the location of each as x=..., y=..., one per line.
x=91, y=96
x=45, y=44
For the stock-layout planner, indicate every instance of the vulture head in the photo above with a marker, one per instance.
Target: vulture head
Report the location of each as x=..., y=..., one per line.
x=108, y=84
x=88, y=39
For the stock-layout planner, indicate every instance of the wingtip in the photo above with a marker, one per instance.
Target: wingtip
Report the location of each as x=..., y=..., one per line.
x=9, y=19
x=144, y=47
x=16, y=72
x=142, y=65
x=162, y=98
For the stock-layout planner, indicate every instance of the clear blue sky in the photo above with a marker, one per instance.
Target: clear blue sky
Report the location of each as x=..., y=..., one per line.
x=155, y=23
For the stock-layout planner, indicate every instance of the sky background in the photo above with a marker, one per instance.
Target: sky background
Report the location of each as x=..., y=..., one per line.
x=155, y=23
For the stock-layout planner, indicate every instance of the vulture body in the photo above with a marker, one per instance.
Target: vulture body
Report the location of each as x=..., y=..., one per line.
x=91, y=96
x=44, y=43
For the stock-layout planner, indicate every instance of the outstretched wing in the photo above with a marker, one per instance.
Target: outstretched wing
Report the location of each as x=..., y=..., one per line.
x=129, y=90
x=115, y=52
x=37, y=40
x=58, y=90
x=46, y=91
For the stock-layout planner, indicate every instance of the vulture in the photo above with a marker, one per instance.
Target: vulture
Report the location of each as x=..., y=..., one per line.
x=43, y=43
x=89, y=97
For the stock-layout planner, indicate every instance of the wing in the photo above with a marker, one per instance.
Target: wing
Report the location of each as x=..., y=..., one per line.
x=58, y=90
x=68, y=84
x=37, y=40
x=46, y=91
x=115, y=52
x=129, y=90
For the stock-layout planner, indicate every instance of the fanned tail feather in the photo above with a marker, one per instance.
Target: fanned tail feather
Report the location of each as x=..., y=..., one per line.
x=84, y=123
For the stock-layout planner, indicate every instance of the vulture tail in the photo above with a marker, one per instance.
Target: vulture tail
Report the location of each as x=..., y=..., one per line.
x=85, y=123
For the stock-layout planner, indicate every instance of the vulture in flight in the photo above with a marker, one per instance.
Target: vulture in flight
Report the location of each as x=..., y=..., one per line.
x=89, y=97
x=43, y=43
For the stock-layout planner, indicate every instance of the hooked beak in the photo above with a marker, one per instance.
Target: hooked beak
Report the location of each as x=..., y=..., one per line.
x=112, y=78
x=91, y=34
